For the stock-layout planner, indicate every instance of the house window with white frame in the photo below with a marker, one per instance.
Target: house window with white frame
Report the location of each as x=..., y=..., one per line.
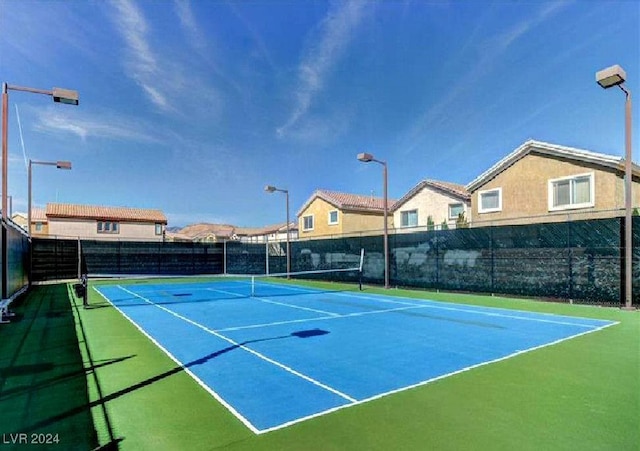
x=490, y=200
x=576, y=191
x=108, y=227
x=409, y=218
x=307, y=222
x=158, y=229
x=455, y=210
x=333, y=217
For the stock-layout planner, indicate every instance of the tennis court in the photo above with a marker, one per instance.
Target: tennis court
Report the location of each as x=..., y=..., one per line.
x=276, y=353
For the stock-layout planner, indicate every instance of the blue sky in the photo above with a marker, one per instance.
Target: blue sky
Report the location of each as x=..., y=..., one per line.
x=193, y=107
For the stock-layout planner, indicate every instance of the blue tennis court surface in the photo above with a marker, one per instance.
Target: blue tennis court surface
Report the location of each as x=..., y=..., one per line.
x=290, y=353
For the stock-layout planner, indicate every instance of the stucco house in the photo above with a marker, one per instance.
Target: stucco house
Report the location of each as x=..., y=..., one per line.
x=431, y=204
x=270, y=234
x=101, y=223
x=543, y=182
x=328, y=213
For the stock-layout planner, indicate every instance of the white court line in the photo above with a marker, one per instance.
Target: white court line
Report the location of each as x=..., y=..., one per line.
x=324, y=312
x=321, y=318
x=208, y=389
x=245, y=348
x=433, y=379
x=454, y=309
x=355, y=402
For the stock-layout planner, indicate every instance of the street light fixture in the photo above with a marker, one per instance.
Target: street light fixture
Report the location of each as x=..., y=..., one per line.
x=57, y=164
x=273, y=189
x=59, y=95
x=607, y=78
x=366, y=158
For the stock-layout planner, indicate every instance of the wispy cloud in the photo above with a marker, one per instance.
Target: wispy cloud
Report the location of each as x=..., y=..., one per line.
x=200, y=42
x=141, y=60
x=106, y=126
x=257, y=38
x=490, y=51
x=190, y=25
x=320, y=58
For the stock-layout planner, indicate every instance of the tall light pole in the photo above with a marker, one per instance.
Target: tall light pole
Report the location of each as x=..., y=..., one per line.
x=607, y=78
x=272, y=189
x=60, y=96
x=366, y=158
x=57, y=164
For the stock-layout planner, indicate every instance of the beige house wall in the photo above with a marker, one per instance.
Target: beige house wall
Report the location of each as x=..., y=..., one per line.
x=88, y=229
x=525, y=190
x=430, y=202
x=348, y=222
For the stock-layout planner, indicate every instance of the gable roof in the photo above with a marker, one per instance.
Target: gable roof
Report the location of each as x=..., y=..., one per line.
x=554, y=150
x=451, y=189
x=203, y=230
x=349, y=202
x=56, y=210
x=38, y=214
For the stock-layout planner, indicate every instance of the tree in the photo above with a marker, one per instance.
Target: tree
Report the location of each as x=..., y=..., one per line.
x=430, y=223
x=461, y=221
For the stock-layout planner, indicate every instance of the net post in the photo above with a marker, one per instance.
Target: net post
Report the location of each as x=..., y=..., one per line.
x=360, y=268
x=253, y=286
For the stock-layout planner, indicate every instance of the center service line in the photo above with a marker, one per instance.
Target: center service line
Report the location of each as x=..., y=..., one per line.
x=249, y=350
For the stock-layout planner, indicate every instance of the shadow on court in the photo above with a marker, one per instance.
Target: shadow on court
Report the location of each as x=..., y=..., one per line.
x=42, y=373
x=303, y=334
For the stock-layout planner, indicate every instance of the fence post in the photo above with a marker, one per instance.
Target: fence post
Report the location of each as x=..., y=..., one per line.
x=5, y=262
x=79, y=259
x=570, y=249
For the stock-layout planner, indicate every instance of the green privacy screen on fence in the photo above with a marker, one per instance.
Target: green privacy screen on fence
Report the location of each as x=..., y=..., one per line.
x=578, y=260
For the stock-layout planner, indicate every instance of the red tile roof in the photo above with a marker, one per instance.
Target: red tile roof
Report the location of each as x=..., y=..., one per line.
x=38, y=214
x=452, y=189
x=349, y=202
x=106, y=213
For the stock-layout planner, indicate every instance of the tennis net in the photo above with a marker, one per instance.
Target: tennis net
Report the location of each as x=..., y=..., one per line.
x=220, y=286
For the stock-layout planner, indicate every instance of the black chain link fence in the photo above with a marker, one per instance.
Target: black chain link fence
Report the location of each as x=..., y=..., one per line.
x=580, y=261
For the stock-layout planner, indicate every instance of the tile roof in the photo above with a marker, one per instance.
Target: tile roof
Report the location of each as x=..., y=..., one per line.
x=452, y=189
x=203, y=230
x=55, y=210
x=38, y=214
x=349, y=202
x=544, y=148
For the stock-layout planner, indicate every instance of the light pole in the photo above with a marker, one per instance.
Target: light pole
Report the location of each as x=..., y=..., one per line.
x=272, y=189
x=607, y=78
x=366, y=158
x=57, y=164
x=60, y=96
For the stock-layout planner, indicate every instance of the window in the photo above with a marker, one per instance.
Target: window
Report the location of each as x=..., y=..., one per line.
x=307, y=222
x=409, y=218
x=38, y=227
x=333, y=217
x=455, y=210
x=158, y=229
x=490, y=200
x=571, y=192
x=108, y=227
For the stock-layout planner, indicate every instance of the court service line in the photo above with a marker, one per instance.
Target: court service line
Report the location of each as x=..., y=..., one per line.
x=321, y=318
x=308, y=309
x=436, y=378
x=199, y=381
x=430, y=304
x=245, y=348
